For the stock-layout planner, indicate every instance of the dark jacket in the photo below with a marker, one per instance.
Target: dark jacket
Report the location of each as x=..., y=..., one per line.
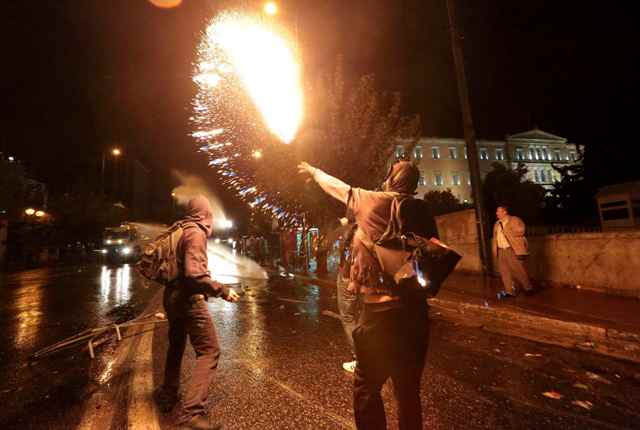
x=192, y=251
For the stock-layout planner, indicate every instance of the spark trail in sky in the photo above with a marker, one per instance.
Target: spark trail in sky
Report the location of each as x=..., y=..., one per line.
x=249, y=80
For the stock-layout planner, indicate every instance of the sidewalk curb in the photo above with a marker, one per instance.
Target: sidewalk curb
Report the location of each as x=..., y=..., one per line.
x=612, y=342
x=583, y=336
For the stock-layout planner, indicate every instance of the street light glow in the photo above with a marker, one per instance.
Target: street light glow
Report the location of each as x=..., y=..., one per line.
x=30, y=211
x=116, y=152
x=257, y=153
x=39, y=214
x=270, y=8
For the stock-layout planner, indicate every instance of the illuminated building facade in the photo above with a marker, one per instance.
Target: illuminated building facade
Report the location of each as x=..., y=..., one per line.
x=443, y=162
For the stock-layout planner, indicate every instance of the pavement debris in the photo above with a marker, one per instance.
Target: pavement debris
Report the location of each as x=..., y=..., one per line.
x=599, y=378
x=292, y=300
x=553, y=395
x=583, y=404
x=591, y=345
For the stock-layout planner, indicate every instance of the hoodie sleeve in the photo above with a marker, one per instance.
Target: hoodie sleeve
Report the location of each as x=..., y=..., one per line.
x=196, y=264
x=332, y=186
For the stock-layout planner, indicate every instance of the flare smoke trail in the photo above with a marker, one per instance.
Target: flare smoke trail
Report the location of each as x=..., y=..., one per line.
x=192, y=186
x=225, y=265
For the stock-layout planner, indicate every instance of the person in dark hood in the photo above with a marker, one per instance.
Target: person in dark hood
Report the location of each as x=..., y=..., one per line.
x=185, y=301
x=391, y=336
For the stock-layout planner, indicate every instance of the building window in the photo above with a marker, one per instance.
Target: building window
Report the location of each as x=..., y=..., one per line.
x=399, y=152
x=572, y=156
x=484, y=154
x=455, y=179
x=500, y=154
x=545, y=154
x=453, y=153
x=465, y=152
x=422, y=181
x=468, y=180
x=556, y=155
x=438, y=180
x=550, y=177
x=435, y=153
x=543, y=177
x=536, y=176
x=417, y=152
x=519, y=154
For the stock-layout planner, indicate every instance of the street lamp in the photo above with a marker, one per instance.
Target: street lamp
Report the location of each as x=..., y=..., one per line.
x=116, y=153
x=270, y=8
x=256, y=153
x=40, y=214
x=30, y=211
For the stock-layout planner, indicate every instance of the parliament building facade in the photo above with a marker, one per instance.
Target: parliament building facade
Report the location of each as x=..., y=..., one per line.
x=443, y=162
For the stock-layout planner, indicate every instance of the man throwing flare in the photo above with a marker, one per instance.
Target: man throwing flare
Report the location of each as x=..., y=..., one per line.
x=391, y=336
x=185, y=301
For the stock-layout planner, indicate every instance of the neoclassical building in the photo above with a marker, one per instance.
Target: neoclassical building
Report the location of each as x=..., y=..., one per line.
x=443, y=161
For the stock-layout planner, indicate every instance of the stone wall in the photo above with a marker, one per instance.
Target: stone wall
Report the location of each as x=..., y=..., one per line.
x=459, y=230
x=603, y=261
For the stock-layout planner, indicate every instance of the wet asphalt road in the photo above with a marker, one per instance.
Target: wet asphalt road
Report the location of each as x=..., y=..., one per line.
x=281, y=364
x=42, y=306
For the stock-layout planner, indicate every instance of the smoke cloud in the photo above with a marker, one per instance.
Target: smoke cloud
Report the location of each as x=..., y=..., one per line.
x=191, y=186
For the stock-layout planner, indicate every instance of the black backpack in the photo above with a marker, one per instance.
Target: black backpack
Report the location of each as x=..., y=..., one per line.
x=408, y=254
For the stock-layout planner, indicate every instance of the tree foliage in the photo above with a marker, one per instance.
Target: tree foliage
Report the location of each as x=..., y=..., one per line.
x=572, y=200
x=351, y=131
x=504, y=186
x=442, y=202
x=17, y=189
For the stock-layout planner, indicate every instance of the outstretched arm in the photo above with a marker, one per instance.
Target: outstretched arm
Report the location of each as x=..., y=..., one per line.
x=332, y=186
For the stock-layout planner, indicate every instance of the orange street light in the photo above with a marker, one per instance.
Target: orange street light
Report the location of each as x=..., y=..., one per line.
x=30, y=211
x=257, y=153
x=270, y=8
x=40, y=214
x=116, y=152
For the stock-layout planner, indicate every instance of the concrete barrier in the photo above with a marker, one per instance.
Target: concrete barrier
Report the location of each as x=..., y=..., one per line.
x=601, y=261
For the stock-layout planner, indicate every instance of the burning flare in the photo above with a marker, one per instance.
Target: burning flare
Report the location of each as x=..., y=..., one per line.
x=267, y=67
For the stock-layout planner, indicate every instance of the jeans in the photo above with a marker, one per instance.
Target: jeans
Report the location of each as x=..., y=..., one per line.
x=390, y=344
x=348, y=306
x=189, y=316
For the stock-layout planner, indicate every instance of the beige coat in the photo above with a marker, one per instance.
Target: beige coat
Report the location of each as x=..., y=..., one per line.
x=514, y=232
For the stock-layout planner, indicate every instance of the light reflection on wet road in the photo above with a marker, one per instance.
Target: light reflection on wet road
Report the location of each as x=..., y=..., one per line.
x=281, y=365
x=42, y=306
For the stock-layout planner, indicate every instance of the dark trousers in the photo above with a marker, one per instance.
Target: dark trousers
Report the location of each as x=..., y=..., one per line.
x=348, y=306
x=390, y=344
x=188, y=316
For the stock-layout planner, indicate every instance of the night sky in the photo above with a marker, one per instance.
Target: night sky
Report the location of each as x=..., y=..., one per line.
x=82, y=75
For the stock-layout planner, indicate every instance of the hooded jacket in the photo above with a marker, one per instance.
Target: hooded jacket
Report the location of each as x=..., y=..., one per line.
x=371, y=210
x=192, y=250
x=199, y=211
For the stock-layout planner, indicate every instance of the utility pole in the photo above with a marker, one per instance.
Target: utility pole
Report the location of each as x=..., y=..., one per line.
x=469, y=136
